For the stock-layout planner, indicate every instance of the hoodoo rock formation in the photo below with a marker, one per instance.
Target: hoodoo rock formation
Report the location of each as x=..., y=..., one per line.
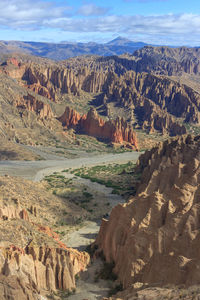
x=167, y=61
x=43, y=268
x=70, y=118
x=154, y=238
x=156, y=102
x=116, y=131
x=30, y=103
x=33, y=261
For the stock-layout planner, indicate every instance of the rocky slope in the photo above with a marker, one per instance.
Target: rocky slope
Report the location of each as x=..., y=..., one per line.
x=153, y=239
x=167, y=61
x=146, y=101
x=25, y=117
x=115, y=131
x=13, y=151
x=153, y=102
x=33, y=262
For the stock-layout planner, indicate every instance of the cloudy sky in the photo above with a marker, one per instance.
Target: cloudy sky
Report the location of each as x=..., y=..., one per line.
x=169, y=22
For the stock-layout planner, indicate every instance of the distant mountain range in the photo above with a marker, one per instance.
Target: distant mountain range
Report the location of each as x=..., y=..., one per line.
x=66, y=50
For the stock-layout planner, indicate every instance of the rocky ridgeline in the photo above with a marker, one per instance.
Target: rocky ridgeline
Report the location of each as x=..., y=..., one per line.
x=115, y=131
x=156, y=102
x=35, y=262
x=154, y=238
x=124, y=89
x=167, y=61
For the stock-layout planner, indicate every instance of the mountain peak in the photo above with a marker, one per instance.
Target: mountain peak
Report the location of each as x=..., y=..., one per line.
x=119, y=41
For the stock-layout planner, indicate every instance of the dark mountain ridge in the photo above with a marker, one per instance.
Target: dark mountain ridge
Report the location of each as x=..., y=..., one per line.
x=64, y=50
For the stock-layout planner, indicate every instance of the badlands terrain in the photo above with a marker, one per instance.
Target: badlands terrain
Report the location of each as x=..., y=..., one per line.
x=99, y=175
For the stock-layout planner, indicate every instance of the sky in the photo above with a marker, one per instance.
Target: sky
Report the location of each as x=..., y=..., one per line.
x=158, y=22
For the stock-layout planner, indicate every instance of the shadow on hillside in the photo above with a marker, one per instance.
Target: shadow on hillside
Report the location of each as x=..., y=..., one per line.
x=6, y=154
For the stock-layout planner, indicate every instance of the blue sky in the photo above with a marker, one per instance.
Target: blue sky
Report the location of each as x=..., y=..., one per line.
x=168, y=22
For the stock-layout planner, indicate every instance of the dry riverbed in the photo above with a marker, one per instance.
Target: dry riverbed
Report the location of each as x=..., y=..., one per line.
x=101, y=202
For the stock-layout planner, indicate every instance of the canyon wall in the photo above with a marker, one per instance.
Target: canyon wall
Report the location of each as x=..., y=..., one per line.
x=153, y=239
x=156, y=102
x=116, y=131
x=33, y=261
x=167, y=61
x=29, y=102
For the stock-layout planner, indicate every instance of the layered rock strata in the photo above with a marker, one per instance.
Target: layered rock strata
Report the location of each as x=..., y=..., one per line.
x=116, y=131
x=33, y=260
x=153, y=239
x=146, y=96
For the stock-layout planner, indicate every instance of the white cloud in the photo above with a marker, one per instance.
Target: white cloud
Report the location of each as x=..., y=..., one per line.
x=170, y=28
x=22, y=14
x=161, y=24
x=92, y=10
x=26, y=15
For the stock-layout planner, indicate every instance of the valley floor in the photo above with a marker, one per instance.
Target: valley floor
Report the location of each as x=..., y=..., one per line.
x=87, y=286
x=37, y=170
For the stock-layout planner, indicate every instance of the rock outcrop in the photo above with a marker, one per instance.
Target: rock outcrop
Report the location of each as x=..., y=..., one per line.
x=155, y=102
x=154, y=238
x=43, y=268
x=134, y=91
x=116, y=131
x=33, y=260
x=13, y=212
x=70, y=118
x=152, y=98
x=167, y=61
x=29, y=102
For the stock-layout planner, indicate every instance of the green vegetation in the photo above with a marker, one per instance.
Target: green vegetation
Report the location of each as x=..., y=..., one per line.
x=66, y=188
x=66, y=294
x=192, y=129
x=120, y=177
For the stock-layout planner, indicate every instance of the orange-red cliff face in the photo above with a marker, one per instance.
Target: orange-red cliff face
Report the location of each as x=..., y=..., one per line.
x=70, y=118
x=116, y=131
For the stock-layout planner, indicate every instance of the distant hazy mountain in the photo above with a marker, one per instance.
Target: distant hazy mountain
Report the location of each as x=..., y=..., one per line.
x=65, y=50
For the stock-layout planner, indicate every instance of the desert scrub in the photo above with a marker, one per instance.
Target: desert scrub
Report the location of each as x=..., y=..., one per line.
x=65, y=294
x=122, y=178
x=87, y=195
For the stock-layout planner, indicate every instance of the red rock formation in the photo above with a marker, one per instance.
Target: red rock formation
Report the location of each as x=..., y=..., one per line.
x=32, y=104
x=13, y=61
x=70, y=118
x=116, y=131
x=157, y=102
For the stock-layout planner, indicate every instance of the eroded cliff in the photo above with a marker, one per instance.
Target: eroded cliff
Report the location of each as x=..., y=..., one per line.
x=153, y=239
x=153, y=102
x=115, y=131
x=33, y=261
